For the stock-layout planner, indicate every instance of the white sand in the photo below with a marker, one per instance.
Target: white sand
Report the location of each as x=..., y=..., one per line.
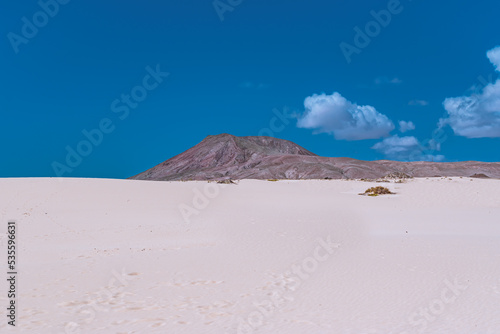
x=116, y=256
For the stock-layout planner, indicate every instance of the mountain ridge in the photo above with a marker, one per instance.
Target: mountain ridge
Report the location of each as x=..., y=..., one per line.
x=225, y=156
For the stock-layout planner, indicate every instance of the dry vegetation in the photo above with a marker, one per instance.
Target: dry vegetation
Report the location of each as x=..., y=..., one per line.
x=375, y=191
x=226, y=181
x=398, y=175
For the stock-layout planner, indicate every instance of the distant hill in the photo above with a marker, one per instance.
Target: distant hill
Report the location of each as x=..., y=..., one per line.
x=226, y=156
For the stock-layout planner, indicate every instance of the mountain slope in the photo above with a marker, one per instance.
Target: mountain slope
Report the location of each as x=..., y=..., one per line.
x=226, y=156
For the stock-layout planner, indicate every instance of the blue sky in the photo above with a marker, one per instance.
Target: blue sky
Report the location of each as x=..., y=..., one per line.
x=78, y=69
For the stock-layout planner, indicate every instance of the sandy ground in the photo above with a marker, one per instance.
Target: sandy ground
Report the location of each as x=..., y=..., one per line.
x=122, y=256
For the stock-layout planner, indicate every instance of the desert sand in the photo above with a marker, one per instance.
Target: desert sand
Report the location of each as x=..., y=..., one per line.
x=284, y=257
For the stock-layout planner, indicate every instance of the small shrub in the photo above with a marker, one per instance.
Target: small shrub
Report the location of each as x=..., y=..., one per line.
x=227, y=181
x=273, y=180
x=480, y=176
x=398, y=175
x=375, y=191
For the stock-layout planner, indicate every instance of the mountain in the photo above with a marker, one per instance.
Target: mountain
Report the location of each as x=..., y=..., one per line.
x=226, y=156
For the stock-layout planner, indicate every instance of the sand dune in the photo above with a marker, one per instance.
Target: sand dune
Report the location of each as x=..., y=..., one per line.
x=124, y=256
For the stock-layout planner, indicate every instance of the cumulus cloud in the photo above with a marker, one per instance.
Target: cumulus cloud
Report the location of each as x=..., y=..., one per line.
x=395, y=146
x=408, y=148
x=494, y=56
x=406, y=126
x=482, y=82
x=476, y=115
x=421, y=103
x=346, y=120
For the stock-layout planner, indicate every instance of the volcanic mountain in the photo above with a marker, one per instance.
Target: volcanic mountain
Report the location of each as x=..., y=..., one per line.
x=226, y=156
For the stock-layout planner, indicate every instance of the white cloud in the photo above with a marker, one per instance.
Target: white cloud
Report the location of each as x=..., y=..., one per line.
x=396, y=145
x=336, y=115
x=407, y=148
x=476, y=115
x=480, y=84
x=406, y=126
x=494, y=56
x=422, y=103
